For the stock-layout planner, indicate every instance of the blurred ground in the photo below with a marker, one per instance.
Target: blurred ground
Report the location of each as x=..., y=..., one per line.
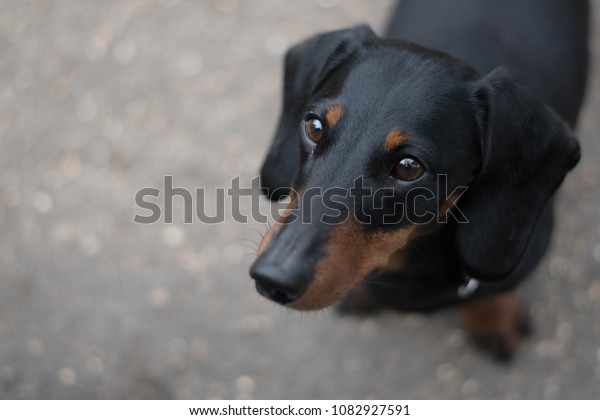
x=100, y=99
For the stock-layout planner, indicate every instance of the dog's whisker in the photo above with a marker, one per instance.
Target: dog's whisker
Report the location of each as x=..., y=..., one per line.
x=250, y=240
x=257, y=231
x=252, y=247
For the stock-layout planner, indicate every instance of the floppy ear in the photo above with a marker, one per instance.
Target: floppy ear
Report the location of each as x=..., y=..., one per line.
x=526, y=152
x=307, y=65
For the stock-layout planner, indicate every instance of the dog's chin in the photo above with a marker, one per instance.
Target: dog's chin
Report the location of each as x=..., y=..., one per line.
x=306, y=304
x=322, y=294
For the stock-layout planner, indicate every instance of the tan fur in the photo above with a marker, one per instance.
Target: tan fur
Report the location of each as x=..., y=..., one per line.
x=333, y=115
x=493, y=315
x=450, y=203
x=269, y=235
x=397, y=260
x=394, y=139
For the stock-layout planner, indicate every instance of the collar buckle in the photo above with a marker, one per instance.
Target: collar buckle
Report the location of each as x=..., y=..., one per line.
x=467, y=289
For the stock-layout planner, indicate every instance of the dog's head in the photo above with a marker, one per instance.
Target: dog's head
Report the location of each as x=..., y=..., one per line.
x=368, y=131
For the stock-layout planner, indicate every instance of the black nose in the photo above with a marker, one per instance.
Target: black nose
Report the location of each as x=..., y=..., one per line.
x=276, y=284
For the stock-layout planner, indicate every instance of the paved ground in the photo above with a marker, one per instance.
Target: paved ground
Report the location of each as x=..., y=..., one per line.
x=100, y=99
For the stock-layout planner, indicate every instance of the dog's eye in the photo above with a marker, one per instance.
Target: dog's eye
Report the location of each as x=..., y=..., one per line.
x=313, y=128
x=408, y=169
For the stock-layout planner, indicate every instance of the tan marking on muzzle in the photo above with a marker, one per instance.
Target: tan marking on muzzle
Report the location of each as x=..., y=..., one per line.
x=333, y=115
x=269, y=234
x=350, y=257
x=397, y=260
x=394, y=139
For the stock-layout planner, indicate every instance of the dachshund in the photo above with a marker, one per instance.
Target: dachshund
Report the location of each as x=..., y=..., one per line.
x=421, y=167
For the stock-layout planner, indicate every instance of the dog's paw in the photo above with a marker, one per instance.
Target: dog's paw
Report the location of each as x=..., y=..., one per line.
x=497, y=324
x=360, y=301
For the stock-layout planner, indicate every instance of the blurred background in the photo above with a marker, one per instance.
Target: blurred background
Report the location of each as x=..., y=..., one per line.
x=101, y=99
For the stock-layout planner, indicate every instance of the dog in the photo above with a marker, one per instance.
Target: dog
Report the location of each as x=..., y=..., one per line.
x=462, y=115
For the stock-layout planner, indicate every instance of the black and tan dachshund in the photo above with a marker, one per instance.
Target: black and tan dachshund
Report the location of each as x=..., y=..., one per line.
x=422, y=166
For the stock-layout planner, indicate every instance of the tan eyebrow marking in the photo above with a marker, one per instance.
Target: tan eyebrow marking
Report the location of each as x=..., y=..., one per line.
x=394, y=139
x=333, y=115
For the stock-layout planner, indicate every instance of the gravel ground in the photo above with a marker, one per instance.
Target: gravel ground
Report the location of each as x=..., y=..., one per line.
x=100, y=99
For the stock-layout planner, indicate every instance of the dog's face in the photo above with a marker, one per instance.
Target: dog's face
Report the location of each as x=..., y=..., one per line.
x=377, y=135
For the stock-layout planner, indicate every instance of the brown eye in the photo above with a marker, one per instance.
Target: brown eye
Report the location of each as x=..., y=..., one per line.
x=408, y=169
x=313, y=129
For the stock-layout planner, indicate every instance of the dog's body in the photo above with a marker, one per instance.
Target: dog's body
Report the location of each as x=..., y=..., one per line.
x=399, y=116
x=543, y=43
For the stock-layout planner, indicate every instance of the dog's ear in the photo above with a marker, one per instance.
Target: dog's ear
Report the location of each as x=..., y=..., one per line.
x=307, y=65
x=526, y=152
